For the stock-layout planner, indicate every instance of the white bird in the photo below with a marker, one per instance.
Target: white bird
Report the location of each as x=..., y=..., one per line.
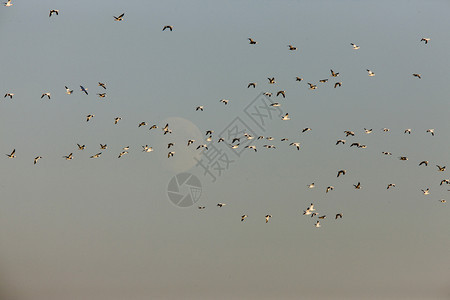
x=355, y=47
x=426, y=192
x=8, y=3
x=267, y=94
x=408, y=131
x=221, y=204
x=334, y=74
x=370, y=72
x=269, y=146
x=311, y=207
x=166, y=129
x=275, y=104
x=68, y=91
x=119, y=18
x=268, y=217
x=146, y=148
x=296, y=144
x=317, y=224
x=243, y=217
x=201, y=107
x=367, y=131
x=431, y=131
x=286, y=117
x=10, y=95
x=385, y=129
x=251, y=147
x=311, y=186
x=170, y=154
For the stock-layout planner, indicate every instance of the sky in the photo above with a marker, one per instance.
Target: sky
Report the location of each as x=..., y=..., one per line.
x=106, y=228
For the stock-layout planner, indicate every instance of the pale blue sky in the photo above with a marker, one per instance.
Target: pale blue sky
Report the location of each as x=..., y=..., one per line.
x=105, y=228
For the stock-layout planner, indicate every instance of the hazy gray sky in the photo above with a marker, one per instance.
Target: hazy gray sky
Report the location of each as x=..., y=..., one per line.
x=106, y=229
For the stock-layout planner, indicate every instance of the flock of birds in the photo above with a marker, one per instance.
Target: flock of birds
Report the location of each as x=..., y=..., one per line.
x=235, y=142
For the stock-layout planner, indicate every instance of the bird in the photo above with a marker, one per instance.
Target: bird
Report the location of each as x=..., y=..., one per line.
x=234, y=146
x=45, y=94
x=425, y=40
x=251, y=147
x=169, y=145
x=36, y=159
x=425, y=162
x=267, y=94
x=286, y=117
x=221, y=204
x=199, y=108
x=96, y=155
x=253, y=84
x=355, y=47
x=341, y=172
x=282, y=93
x=312, y=86
x=296, y=144
x=268, y=217
x=221, y=140
x=386, y=153
x=330, y=188
x=390, y=185
x=306, y=129
x=269, y=146
x=88, y=117
x=142, y=124
x=322, y=217
x=201, y=207
x=153, y=127
x=117, y=119
x=68, y=157
x=68, y=91
x=81, y=147
x=298, y=78
x=338, y=216
x=83, y=89
x=166, y=129
x=12, y=155
x=442, y=201
x=334, y=74
x=337, y=84
x=170, y=27
x=403, y=158
x=170, y=154
x=426, y=192
x=252, y=42
x=190, y=142
x=357, y=186
x=441, y=169
x=340, y=142
x=248, y=136
x=122, y=154
x=317, y=224
x=417, y=75
x=275, y=104
x=10, y=95
x=235, y=140
x=272, y=80
x=202, y=146
x=53, y=11
x=103, y=147
x=292, y=48
x=370, y=72
x=102, y=85
x=146, y=148
x=323, y=80
x=349, y=132
x=431, y=131
x=119, y=18
x=101, y=95
x=408, y=131
x=311, y=185
x=209, y=132
x=243, y=217
x=367, y=131
x=224, y=101
x=8, y=3
x=447, y=181
x=385, y=129
x=209, y=138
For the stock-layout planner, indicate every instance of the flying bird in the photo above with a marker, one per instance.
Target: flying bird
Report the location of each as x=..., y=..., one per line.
x=53, y=11
x=355, y=47
x=103, y=147
x=312, y=86
x=170, y=27
x=170, y=154
x=370, y=72
x=357, y=186
x=286, y=117
x=403, y=158
x=243, y=217
x=317, y=224
x=68, y=91
x=88, y=117
x=334, y=74
x=292, y=48
x=311, y=185
x=330, y=188
x=8, y=3
x=199, y=108
x=341, y=172
x=272, y=80
x=119, y=18
x=102, y=85
x=253, y=84
x=425, y=40
x=417, y=75
x=45, y=94
x=338, y=216
x=268, y=217
x=298, y=78
x=142, y=124
x=36, y=159
x=224, y=101
x=426, y=192
x=221, y=204
x=431, y=131
x=390, y=185
x=83, y=90
x=96, y=155
x=81, y=147
x=117, y=119
x=306, y=129
x=441, y=169
x=425, y=162
x=340, y=142
x=337, y=84
x=282, y=93
x=122, y=154
x=68, y=157
x=408, y=131
x=101, y=95
x=296, y=144
x=12, y=155
x=10, y=95
x=252, y=42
